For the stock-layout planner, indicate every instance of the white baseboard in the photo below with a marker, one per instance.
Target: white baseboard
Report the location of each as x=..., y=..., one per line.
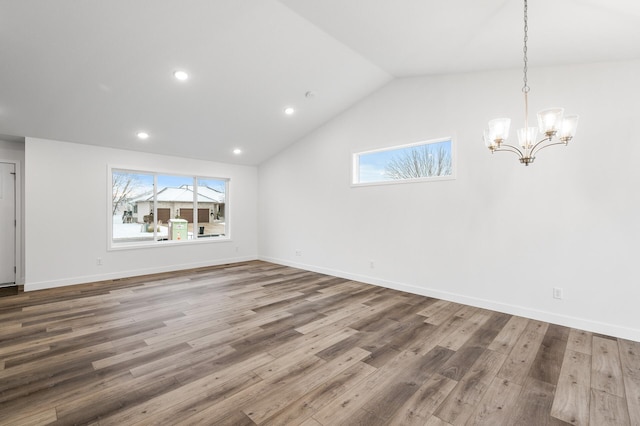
x=550, y=317
x=42, y=285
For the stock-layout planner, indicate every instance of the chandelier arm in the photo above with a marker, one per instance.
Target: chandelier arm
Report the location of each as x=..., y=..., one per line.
x=509, y=148
x=534, y=150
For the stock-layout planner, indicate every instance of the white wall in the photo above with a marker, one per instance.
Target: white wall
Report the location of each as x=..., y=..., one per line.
x=501, y=235
x=12, y=151
x=67, y=193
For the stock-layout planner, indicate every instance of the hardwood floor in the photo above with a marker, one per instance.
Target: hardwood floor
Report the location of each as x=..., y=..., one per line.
x=258, y=343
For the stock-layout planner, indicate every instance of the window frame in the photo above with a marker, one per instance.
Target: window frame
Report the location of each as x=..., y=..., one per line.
x=355, y=163
x=155, y=242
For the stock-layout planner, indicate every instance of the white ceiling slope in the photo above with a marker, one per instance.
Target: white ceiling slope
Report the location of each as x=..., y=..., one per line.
x=97, y=72
x=416, y=37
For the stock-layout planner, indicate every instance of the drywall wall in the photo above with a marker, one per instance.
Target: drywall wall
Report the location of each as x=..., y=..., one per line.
x=501, y=235
x=66, y=207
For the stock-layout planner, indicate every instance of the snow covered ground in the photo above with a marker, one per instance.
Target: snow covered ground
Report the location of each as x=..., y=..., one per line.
x=131, y=232
x=135, y=231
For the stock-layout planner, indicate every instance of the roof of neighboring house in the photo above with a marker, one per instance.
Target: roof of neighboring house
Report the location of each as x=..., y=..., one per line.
x=184, y=193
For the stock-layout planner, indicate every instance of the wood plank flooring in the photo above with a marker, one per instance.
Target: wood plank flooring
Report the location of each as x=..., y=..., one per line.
x=261, y=344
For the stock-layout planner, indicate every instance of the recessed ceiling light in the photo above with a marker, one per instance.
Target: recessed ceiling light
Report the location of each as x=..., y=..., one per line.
x=143, y=135
x=237, y=151
x=181, y=75
x=289, y=110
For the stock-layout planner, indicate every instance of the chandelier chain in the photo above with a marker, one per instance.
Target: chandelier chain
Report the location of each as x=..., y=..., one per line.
x=525, y=88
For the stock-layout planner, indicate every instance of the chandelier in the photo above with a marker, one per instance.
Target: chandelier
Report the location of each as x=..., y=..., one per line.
x=554, y=127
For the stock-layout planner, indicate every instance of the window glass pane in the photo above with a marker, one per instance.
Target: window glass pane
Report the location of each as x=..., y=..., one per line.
x=131, y=206
x=174, y=207
x=418, y=161
x=212, y=208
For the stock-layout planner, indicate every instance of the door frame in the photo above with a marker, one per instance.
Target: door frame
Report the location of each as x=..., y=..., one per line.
x=19, y=236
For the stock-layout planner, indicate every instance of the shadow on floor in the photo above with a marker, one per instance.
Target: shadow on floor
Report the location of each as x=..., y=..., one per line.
x=9, y=291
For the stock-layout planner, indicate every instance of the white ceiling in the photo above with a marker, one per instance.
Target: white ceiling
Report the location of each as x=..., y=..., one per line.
x=97, y=72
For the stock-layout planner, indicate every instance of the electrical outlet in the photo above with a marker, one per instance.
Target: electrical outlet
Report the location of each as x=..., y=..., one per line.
x=372, y=264
x=298, y=252
x=557, y=293
x=99, y=261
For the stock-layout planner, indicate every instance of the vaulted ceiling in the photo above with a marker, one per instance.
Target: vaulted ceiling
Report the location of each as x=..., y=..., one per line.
x=98, y=72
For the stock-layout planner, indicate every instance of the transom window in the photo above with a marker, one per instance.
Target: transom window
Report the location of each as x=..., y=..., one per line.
x=427, y=160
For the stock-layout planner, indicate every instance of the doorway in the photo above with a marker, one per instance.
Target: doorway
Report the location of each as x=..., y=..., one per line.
x=7, y=224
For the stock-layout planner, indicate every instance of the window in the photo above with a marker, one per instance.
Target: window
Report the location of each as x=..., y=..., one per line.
x=151, y=208
x=430, y=160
